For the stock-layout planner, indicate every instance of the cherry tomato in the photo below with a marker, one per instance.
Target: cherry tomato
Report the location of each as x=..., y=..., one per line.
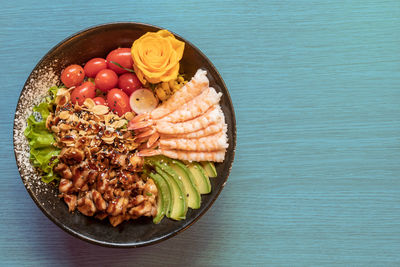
x=118, y=101
x=80, y=93
x=121, y=56
x=106, y=80
x=100, y=101
x=129, y=82
x=93, y=66
x=72, y=75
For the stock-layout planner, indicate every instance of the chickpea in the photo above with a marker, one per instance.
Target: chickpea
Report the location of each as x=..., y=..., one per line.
x=165, y=86
x=161, y=93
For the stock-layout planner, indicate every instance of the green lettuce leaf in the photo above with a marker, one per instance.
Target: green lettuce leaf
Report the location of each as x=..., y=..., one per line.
x=43, y=153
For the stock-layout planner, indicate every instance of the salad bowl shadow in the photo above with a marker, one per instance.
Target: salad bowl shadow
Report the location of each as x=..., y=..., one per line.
x=98, y=41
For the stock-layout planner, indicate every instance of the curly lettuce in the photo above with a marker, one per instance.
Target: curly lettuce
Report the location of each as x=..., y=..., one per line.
x=43, y=153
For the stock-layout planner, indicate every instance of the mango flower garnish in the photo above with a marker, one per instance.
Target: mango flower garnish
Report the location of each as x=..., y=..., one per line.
x=156, y=56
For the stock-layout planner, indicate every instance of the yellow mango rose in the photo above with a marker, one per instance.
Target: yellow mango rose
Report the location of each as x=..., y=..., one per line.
x=156, y=56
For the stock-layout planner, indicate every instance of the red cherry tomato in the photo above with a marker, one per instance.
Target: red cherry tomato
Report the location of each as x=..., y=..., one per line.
x=100, y=101
x=106, y=80
x=80, y=93
x=93, y=66
x=72, y=75
x=121, y=56
x=118, y=101
x=129, y=82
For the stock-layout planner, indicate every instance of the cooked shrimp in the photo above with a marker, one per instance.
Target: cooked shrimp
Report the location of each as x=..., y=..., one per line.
x=195, y=107
x=190, y=90
x=153, y=139
x=213, y=115
x=216, y=156
x=204, y=144
x=140, y=117
x=137, y=125
x=146, y=133
x=209, y=130
x=190, y=125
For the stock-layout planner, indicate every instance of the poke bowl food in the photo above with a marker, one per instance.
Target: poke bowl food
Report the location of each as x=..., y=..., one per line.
x=124, y=134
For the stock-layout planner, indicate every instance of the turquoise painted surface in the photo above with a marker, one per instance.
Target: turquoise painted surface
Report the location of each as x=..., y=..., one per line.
x=316, y=89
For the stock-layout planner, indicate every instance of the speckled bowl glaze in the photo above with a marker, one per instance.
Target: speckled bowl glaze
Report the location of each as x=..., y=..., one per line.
x=77, y=49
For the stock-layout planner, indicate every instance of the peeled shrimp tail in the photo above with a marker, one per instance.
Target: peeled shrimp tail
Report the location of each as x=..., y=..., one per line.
x=139, y=121
x=153, y=139
x=139, y=125
x=149, y=152
x=140, y=117
x=142, y=140
x=146, y=147
x=146, y=133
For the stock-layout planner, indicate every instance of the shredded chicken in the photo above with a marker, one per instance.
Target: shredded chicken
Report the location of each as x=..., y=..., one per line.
x=98, y=162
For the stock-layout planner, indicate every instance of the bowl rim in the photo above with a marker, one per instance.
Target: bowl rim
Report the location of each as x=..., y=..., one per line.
x=166, y=236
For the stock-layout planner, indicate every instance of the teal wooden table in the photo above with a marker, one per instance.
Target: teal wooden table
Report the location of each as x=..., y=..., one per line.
x=316, y=90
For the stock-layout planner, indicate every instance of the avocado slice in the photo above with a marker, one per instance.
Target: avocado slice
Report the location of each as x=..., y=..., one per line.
x=178, y=210
x=164, y=165
x=163, y=198
x=192, y=194
x=182, y=174
x=200, y=178
x=209, y=168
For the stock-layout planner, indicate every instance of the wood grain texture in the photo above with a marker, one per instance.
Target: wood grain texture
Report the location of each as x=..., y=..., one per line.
x=316, y=89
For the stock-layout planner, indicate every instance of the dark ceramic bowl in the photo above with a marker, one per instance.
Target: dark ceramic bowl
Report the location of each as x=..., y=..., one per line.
x=78, y=49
